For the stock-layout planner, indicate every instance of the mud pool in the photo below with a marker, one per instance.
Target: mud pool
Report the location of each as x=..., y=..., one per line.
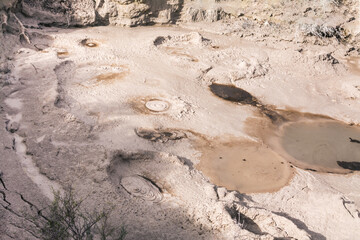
x=325, y=146
x=245, y=167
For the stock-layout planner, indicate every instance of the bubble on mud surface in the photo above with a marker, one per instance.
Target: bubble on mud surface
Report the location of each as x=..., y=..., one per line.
x=171, y=106
x=157, y=105
x=141, y=187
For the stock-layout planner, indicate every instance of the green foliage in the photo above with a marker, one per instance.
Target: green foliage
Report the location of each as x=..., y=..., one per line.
x=65, y=219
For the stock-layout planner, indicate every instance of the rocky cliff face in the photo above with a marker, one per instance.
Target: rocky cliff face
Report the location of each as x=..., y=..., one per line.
x=320, y=19
x=102, y=12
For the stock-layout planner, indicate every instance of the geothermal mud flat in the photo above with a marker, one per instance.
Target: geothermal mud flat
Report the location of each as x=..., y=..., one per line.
x=189, y=133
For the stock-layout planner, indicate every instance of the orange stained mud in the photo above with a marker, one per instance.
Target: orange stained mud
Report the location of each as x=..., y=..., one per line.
x=139, y=104
x=244, y=166
x=108, y=78
x=180, y=52
x=62, y=54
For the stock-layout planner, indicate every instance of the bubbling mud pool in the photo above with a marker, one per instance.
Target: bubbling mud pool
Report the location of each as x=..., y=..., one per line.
x=325, y=146
x=245, y=167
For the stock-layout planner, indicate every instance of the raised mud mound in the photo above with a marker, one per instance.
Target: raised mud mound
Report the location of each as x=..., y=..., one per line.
x=160, y=135
x=158, y=177
x=139, y=186
x=184, y=40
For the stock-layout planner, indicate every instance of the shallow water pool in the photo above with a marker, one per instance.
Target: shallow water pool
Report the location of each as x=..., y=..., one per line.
x=325, y=146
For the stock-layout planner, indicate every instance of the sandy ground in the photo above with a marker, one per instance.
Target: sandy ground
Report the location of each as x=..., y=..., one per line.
x=112, y=110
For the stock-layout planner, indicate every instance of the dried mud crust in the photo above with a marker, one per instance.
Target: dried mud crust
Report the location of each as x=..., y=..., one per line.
x=161, y=173
x=69, y=147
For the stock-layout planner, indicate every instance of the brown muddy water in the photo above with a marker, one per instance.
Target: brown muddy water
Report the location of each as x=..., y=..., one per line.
x=309, y=141
x=245, y=167
x=238, y=95
x=325, y=146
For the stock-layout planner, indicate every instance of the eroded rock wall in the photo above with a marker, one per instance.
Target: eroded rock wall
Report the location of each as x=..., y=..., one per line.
x=102, y=12
x=299, y=21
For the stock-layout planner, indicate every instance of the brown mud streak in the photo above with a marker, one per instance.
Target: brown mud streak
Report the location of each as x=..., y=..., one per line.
x=62, y=54
x=276, y=116
x=107, y=78
x=110, y=77
x=178, y=52
x=238, y=95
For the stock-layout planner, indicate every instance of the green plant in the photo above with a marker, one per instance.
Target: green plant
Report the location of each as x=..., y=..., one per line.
x=65, y=218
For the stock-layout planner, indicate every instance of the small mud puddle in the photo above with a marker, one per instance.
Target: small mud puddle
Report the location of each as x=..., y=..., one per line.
x=238, y=95
x=233, y=94
x=245, y=167
x=325, y=146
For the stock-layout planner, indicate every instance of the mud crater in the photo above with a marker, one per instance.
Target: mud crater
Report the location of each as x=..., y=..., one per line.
x=160, y=135
x=151, y=105
x=89, y=43
x=157, y=105
x=124, y=173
